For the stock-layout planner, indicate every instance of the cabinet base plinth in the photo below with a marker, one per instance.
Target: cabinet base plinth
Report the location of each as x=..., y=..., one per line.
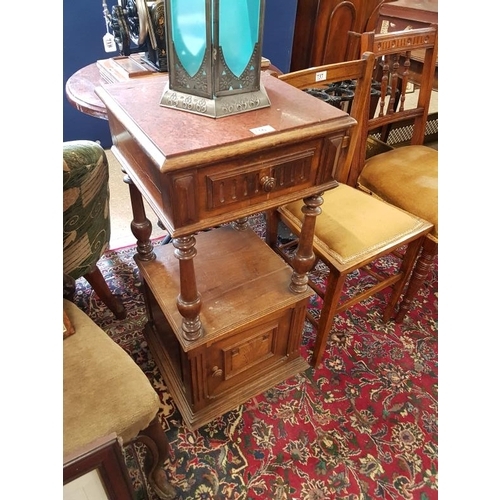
x=238, y=396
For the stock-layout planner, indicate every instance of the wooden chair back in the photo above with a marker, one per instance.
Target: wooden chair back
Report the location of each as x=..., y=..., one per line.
x=351, y=229
x=321, y=77
x=405, y=177
x=401, y=58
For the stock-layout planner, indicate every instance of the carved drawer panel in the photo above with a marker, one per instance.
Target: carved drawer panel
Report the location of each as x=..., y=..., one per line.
x=210, y=192
x=258, y=179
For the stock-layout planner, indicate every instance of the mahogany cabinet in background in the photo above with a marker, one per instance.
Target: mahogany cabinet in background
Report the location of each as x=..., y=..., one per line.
x=322, y=26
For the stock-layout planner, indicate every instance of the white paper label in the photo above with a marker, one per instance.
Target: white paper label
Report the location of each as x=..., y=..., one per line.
x=320, y=76
x=109, y=42
x=262, y=130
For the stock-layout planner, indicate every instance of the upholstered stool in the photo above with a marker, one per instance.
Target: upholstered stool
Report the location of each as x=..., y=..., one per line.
x=86, y=222
x=407, y=177
x=106, y=392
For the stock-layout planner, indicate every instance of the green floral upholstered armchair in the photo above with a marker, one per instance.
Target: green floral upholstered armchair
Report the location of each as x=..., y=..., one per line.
x=86, y=220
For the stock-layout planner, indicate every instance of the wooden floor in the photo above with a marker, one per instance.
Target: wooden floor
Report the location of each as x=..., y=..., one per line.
x=120, y=208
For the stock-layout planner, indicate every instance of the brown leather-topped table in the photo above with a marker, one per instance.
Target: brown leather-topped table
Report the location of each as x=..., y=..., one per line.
x=80, y=91
x=225, y=313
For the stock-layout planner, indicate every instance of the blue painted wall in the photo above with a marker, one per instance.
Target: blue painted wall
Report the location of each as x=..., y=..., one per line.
x=84, y=27
x=279, y=22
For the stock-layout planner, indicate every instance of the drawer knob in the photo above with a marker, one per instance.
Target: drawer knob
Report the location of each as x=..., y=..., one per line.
x=268, y=183
x=216, y=372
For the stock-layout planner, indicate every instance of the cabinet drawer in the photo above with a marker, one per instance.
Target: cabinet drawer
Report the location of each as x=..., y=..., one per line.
x=211, y=192
x=261, y=178
x=268, y=176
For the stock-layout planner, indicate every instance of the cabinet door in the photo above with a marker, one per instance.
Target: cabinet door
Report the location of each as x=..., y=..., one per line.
x=335, y=19
x=321, y=29
x=249, y=354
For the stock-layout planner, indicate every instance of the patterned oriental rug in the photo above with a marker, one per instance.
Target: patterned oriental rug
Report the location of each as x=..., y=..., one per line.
x=362, y=426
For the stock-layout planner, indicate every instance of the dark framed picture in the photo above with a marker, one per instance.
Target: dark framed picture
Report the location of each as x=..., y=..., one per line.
x=97, y=471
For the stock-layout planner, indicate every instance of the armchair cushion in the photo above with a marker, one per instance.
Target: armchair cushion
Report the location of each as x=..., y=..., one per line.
x=104, y=389
x=86, y=222
x=353, y=225
x=406, y=177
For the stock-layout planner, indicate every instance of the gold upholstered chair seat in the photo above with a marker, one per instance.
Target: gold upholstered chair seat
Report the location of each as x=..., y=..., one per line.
x=406, y=177
x=353, y=226
x=105, y=392
x=352, y=232
x=95, y=372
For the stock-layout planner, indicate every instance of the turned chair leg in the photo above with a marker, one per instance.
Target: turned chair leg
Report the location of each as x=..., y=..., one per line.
x=69, y=287
x=407, y=265
x=333, y=292
x=422, y=268
x=99, y=285
x=156, y=441
x=272, y=221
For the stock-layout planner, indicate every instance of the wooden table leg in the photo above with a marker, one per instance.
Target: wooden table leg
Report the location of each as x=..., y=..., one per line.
x=189, y=299
x=304, y=258
x=241, y=224
x=141, y=226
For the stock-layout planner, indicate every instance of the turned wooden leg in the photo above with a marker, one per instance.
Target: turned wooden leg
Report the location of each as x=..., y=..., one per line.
x=407, y=265
x=155, y=439
x=141, y=226
x=419, y=275
x=189, y=299
x=69, y=287
x=100, y=287
x=304, y=258
x=241, y=224
x=272, y=222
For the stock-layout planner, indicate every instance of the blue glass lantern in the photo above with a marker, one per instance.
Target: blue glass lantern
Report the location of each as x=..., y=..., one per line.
x=215, y=50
